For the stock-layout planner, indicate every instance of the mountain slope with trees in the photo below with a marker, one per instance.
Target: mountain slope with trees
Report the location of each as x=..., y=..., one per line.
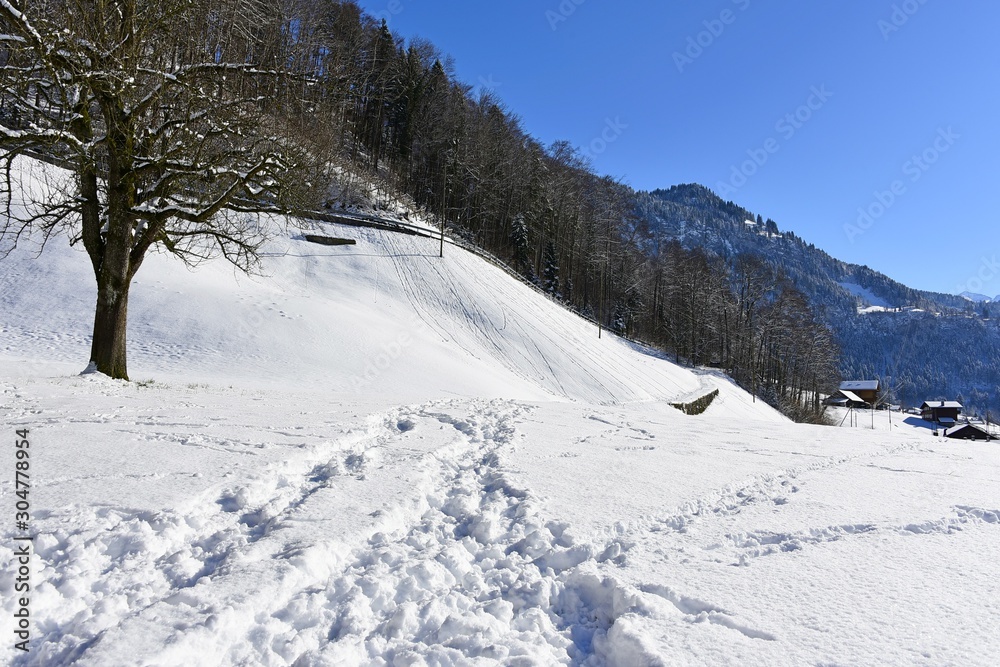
x=923, y=346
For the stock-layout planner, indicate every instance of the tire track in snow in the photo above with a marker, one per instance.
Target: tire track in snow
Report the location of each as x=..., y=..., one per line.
x=603, y=383
x=408, y=278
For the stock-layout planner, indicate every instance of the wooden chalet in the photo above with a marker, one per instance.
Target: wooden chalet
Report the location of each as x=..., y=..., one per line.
x=968, y=432
x=941, y=412
x=860, y=393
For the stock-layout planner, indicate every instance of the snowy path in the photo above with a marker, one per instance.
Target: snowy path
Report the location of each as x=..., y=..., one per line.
x=401, y=538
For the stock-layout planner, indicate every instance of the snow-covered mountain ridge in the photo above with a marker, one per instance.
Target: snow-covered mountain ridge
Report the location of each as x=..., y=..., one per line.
x=696, y=216
x=979, y=298
x=926, y=345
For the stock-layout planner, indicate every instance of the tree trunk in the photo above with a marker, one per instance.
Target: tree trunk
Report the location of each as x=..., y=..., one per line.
x=108, y=348
x=116, y=272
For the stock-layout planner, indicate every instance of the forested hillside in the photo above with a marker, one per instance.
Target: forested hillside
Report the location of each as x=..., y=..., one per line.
x=923, y=345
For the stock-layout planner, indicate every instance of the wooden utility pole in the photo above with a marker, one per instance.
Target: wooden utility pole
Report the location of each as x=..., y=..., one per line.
x=444, y=206
x=600, y=303
x=441, y=251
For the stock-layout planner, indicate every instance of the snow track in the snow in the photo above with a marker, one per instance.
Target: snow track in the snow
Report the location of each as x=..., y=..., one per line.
x=542, y=344
x=481, y=574
x=410, y=534
x=461, y=564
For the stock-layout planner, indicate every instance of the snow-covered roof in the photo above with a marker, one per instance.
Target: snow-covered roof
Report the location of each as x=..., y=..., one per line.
x=942, y=404
x=852, y=396
x=859, y=385
x=978, y=431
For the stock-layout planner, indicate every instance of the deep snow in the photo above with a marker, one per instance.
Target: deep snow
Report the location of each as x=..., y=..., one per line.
x=370, y=455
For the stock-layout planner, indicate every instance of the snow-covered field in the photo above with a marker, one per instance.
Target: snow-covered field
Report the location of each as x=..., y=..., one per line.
x=374, y=456
x=867, y=296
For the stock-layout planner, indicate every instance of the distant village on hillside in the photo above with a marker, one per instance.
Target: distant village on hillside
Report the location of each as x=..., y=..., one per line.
x=941, y=417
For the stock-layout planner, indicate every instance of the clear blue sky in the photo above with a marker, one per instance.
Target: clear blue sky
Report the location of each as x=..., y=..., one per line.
x=890, y=89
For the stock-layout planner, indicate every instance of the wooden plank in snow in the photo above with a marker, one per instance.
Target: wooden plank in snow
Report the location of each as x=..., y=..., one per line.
x=328, y=240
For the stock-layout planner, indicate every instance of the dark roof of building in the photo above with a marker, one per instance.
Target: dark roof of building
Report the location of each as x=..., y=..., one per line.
x=859, y=385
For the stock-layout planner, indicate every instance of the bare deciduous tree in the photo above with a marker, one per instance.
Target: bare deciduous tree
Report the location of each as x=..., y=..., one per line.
x=160, y=119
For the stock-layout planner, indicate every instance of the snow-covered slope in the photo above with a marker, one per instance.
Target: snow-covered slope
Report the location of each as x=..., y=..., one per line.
x=867, y=297
x=387, y=316
x=372, y=456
